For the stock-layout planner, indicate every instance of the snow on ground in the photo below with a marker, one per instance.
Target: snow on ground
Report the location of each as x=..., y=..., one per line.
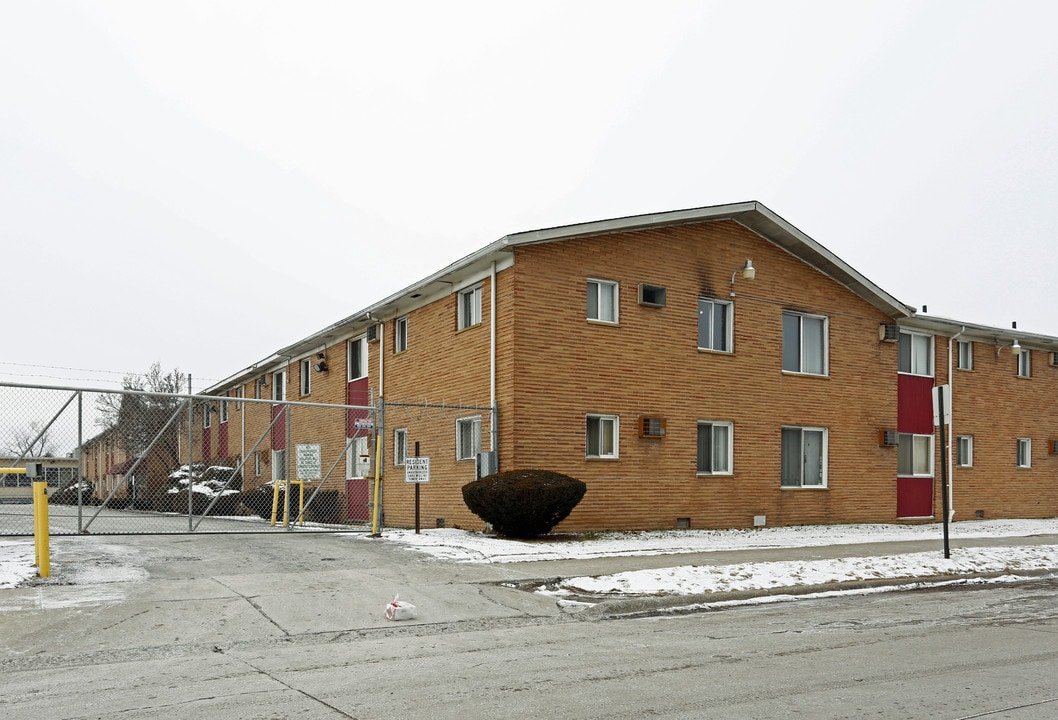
x=467, y=547
x=17, y=558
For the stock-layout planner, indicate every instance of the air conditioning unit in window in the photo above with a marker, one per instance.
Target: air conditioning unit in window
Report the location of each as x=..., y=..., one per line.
x=888, y=438
x=651, y=295
x=651, y=427
x=888, y=333
x=1054, y=359
x=372, y=333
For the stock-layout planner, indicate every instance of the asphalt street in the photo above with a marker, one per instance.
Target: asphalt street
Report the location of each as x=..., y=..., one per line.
x=278, y=626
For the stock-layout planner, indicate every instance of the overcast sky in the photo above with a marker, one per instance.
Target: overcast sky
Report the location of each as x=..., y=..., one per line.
x=202, y=183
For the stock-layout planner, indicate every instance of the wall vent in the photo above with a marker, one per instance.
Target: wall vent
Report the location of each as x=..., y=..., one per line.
x=888, y=438
x=1054, y=359
x=888, y=333
x=651, y=295
x=372, y=333
x=651, y=427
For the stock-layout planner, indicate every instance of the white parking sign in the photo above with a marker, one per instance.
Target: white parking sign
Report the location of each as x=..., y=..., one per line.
x=417, y=470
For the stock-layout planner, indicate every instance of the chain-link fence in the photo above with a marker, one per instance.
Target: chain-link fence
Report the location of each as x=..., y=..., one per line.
x=124, y=462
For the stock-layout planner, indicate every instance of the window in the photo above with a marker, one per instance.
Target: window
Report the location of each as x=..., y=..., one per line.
x=468, y=438
x=224, y=411
x=914, y=455
x=602, y=301
x=400, y=334
x=964, y=450
x=306, y=376
x=207, y=415
x=279, y=386
x=916, y=354
x=714, y=448
x=240, y=393
x=714, y=325
x=804, y=457
x=257, y=464
x=601, y=440
x=279, y=464
x=804, y=343
x=357, y=354
x=1024, y=452
x=400, y=445
x=966, y=355
x=470, y=307
x=1025, y=363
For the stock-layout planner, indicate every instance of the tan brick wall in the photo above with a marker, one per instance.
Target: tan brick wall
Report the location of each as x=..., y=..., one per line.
x=997, y=407
x=566, y=367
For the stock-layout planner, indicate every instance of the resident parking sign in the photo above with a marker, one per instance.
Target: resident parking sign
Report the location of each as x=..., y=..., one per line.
x=417, y=470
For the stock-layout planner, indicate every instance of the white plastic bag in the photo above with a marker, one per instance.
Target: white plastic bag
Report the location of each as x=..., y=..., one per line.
x=400, y=610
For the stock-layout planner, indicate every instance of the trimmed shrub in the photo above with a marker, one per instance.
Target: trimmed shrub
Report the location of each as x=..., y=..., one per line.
x=524, y=503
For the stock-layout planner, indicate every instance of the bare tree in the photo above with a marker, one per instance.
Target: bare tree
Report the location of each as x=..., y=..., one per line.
x=137, y=419
x=25, y=442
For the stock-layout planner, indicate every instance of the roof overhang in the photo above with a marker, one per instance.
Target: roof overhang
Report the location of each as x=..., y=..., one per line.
x=950, y=328
x=751, y=215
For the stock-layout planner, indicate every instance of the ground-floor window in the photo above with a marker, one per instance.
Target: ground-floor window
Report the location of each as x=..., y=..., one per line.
x=804, y=457
x=1024, y=452
x=714, y=448
x=914, y=455
x=601, y=436
x=468, y=438
x=964, y=450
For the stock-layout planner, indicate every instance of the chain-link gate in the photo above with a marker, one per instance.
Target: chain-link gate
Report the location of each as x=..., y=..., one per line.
x=132, y=462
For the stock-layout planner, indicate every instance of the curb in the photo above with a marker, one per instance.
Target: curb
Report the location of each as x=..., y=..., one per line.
x=646, y=606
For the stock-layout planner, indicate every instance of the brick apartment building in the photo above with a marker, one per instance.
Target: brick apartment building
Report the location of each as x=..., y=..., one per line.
x=713, y=367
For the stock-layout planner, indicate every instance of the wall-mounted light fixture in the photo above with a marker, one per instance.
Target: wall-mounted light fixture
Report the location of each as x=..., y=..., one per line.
x=748, y=273
x=320, y=366
x=1016, y=347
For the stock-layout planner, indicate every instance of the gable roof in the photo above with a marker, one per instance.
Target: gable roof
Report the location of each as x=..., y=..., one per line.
x=752, y=215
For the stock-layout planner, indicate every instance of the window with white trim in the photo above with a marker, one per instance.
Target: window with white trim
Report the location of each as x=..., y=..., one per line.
x=715, y=448
x=468, y=438
x=207, y=415
x=279, y=386
x=400, y=445
x=469, y=311
x=1024, y=363
x=306, y=376
x=356, y=354
x=602, y=301
x=914, y=455
x=966, y=355
x=224, y=411
x=916, y=354
x=1024, y=452
x=400, y=334
x=279, y=464
x=240, y=394
x=804, y=457
x=804, y=343
x=602, y=434
x=964, y=450
x=257, y=463
x=714, y=324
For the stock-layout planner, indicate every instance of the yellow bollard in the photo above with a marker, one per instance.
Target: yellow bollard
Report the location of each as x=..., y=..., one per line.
x=41, y=533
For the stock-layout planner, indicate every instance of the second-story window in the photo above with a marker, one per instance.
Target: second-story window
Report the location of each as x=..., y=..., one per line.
x=714, y=325
x=400, y=334
x=916, y=354
x=469, y=307
x=804, y=343
x=602, y=301
x=1024, y=363
x=306, y=376
x=279, y=386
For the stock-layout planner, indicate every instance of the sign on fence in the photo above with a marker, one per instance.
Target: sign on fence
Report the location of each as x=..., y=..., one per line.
x=308, y=460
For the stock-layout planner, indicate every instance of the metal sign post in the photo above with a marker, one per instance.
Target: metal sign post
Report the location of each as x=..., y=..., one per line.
x=417, y=470
x=941, y=418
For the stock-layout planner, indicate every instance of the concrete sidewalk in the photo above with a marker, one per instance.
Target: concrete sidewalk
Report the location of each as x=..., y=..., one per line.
x=204, y=587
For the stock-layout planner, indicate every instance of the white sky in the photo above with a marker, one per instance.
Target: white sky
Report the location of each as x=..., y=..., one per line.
x=202, y=183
